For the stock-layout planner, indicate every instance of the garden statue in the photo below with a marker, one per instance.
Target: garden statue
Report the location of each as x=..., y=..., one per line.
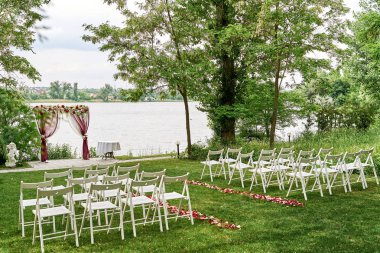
x=12, y=154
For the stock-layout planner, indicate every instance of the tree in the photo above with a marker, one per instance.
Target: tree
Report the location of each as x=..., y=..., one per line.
x=75, y=92
x=154, y=50
x=18, y=29
x=55, y=90
x=105, y=92
x=290, y=31
x=66, y=90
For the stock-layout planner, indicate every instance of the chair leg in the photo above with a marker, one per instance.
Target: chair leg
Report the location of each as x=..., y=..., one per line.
x=74, y=222
x=121, y=214
x=328, y=183
x=190, y=210
x=263, y=182
x=348, y=181
x=231, y=176
x=241, y=177
x=210, y=167
x=133, y=221
x=159, y=215
x=22, y=221
x=41, y=234
x=34, y=229
x=204, y=167
x=374, y=172
x=303, y=188
x=165, y=204
x=290, y=186
x=91, y=226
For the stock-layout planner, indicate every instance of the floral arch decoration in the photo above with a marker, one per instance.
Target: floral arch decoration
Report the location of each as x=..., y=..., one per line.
x=48, y=118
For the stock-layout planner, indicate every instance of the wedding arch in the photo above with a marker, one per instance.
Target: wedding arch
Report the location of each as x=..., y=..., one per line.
x=47, y=120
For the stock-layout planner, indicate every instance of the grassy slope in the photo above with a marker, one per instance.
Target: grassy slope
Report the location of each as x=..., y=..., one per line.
x=339, y=223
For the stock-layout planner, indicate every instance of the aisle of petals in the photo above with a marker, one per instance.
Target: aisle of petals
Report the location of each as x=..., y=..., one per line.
x=200, y=216
x=278, y=200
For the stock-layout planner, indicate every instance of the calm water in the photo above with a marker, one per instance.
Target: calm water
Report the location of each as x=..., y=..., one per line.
x=141, y=128
x=144, y=128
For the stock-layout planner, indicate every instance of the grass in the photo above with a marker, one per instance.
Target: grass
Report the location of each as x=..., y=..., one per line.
x=129, y=157
x=343, y=222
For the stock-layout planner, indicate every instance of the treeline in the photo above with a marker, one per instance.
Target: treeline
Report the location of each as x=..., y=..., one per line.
x=107, y=93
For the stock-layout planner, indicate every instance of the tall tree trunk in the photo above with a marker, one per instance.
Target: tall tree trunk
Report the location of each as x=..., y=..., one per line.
x=228, y=78
x=187, y=115
x=275, y=103
x=182, y=89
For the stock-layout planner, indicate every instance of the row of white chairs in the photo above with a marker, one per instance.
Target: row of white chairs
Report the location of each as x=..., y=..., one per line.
x=285, y=167
x=98, y=192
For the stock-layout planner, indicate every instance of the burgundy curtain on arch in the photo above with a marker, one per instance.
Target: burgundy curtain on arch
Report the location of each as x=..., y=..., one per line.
x=80, y=123
x=47, y=125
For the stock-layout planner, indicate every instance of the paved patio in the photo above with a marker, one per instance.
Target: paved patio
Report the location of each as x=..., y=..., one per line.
x=67, y=163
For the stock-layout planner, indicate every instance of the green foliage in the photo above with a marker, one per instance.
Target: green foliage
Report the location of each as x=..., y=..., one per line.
x=64, y=151
x=18, y=29
x=105, y=92
x=17, y=125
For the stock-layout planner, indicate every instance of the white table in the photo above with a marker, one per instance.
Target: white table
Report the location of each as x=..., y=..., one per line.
x=105, y=149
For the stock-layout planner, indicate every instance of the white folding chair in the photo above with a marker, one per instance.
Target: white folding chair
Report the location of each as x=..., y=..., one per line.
x=241, y=167
x=322, y=153
x=351, y=162
x=109, y=194
x=304, y=176
x=55, y=175
x=148, y=175
x=284, y=163
x=285, y=152
x=141, y=201
x=368, y=161
x=23, y=203
x=230, y=158
x=265, y=168
x=80, y=170
x=41, y=213
x=210, y=162
x=98, y=173
x=166, y=196
x=330, y=167
x=129, y=170
x=84, y=184
x=265, y=152
x=93, y=205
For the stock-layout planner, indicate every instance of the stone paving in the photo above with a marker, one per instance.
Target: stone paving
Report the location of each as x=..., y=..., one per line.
x=67, y=163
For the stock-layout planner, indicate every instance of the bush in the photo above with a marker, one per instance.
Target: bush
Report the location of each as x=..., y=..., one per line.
x=17, y=125
x=64, y=151
x=93, y=152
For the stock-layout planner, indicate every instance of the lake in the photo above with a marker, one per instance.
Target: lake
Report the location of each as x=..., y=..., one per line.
x=144, y=128
x=141, y=128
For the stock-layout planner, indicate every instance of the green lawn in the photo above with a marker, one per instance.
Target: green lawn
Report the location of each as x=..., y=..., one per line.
x=344, y=222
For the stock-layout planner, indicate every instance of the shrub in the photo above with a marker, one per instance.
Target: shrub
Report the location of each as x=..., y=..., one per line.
x=58, y=151
x=17, y=125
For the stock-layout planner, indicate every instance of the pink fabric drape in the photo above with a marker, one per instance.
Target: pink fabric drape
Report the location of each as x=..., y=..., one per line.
x=81, y=123
x=47, y=125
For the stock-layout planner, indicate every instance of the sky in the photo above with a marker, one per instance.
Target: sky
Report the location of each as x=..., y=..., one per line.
x=64, y=56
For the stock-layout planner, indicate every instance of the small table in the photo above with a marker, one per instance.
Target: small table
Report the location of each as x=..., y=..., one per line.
x=105, y=149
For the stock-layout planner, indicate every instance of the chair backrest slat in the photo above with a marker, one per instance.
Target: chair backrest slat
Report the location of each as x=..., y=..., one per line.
x=82, y=181
x=96, y=172
x=167, y=179
x=144, y=182
x=41, y=193
x=50, y=175
x=145, y=174
x=44, y=184
x=103, y=187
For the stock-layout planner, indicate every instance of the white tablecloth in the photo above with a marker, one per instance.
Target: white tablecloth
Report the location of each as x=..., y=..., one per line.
x=107, y=146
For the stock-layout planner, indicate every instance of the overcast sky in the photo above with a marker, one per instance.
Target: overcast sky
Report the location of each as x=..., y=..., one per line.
x=64, y=56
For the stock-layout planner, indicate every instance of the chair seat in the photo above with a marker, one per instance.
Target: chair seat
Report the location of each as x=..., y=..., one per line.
x=265, y=170
x=283, y=160
x=298, y=175
x=283, y=167
x=78, y=197
x=229, y=160
x=240, y=166
x=172, y=195
x=112, y=193
x=101, y=205
x=262, y=162
x=350, y=166
x=144, y=189
x=52, y=211
x=211, y=162
x=367, y=165
x=32, y=202
x=327, y=170
x=139, y=200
